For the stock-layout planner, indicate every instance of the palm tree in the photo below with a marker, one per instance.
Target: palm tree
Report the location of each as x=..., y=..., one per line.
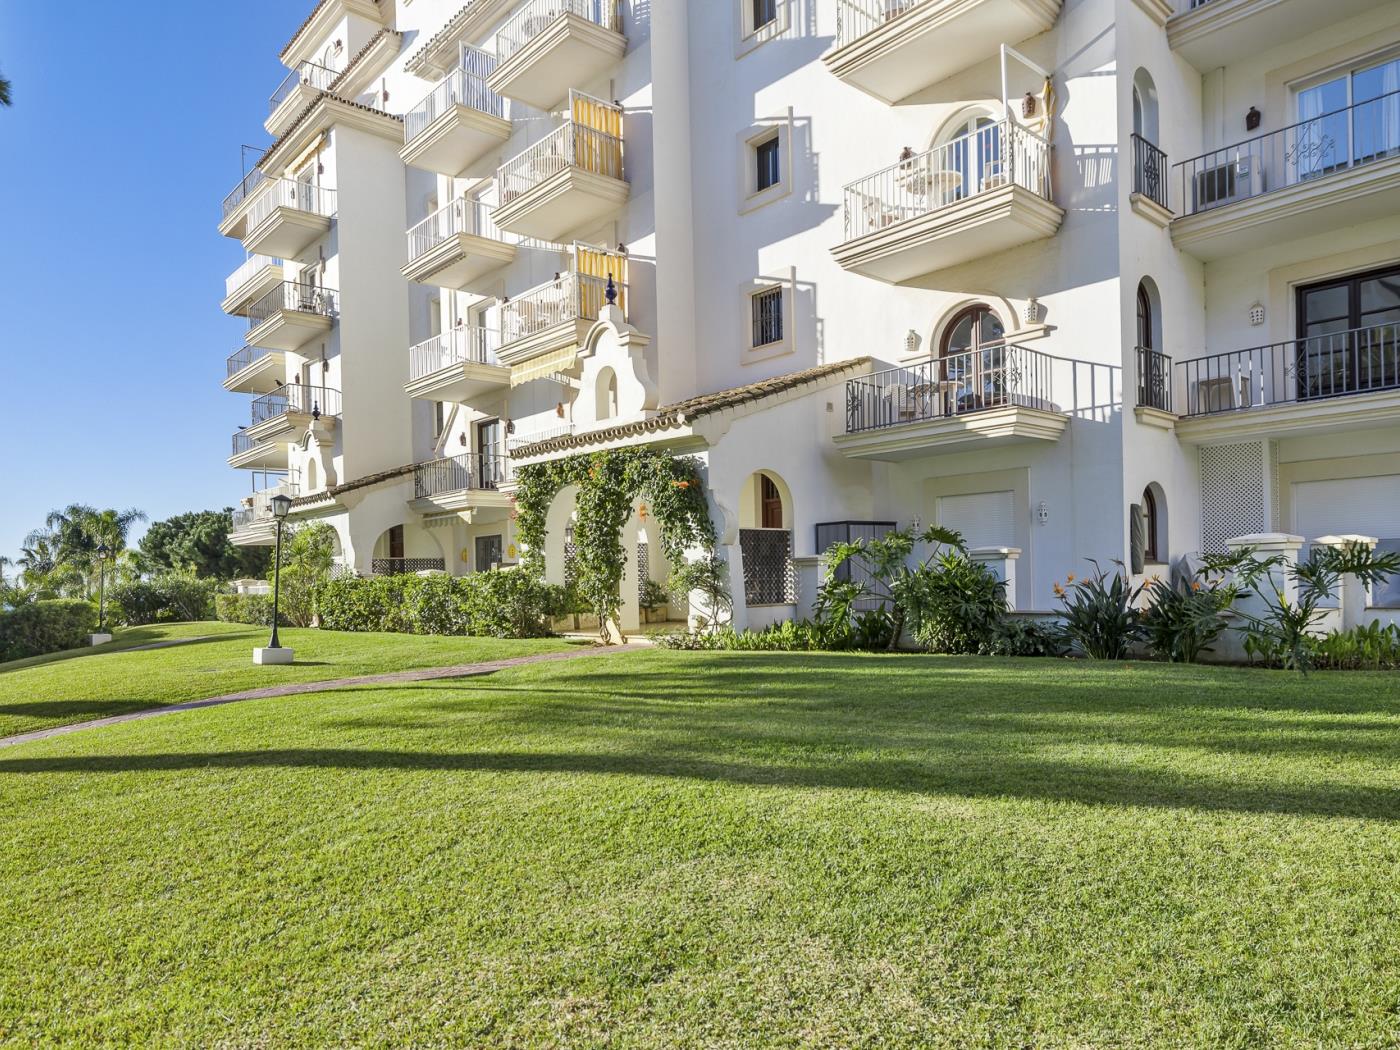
x=4, y=92
x=77, y=531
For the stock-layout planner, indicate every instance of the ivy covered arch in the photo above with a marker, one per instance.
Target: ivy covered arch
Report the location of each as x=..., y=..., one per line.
x=609, y=484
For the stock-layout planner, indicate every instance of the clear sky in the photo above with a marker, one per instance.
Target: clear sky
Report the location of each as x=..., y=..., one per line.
x=122, y=142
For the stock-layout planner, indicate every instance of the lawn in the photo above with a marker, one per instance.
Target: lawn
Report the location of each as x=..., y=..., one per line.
x=212, y=659
x=721, y=850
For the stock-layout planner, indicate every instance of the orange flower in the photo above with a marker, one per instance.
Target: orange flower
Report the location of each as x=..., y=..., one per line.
x=1195, y=585
x=1069, y=578
x=1059, y=591
x=681, y=484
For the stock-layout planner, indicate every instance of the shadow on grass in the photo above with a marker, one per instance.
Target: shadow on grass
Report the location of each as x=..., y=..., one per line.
x=133, y=639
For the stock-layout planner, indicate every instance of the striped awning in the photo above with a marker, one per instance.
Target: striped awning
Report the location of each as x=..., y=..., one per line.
x=544, y=366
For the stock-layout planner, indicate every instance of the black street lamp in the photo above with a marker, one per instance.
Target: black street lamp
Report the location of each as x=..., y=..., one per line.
x=281, y=507
x=103, y=553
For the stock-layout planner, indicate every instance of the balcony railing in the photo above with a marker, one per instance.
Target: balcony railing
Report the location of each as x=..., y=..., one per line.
x=1359, y=361
x=956, y=385
x=261, y=508
x=856, y=18
x=241, y=359
x=243, y=190
x=314, y=76
x=538, y=15
x=242, y=442
x=296, y=399
x=289, y=193
x=456, y=347
x=406, y=566
x=470, y=472
x=464, y=86
x=1322, y=145
x=1149, y=171
x=1154, y=379
x=516, y=441
x=293, y=295
x=460, y=216
x=572, y=145
x=1000, y=154
x=569, y=297
x=245, y=273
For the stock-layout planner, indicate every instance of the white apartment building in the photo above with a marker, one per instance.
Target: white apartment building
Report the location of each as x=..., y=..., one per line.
x=1111, y=279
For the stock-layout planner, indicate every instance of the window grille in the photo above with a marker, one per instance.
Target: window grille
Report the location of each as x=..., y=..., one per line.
x=767, y=317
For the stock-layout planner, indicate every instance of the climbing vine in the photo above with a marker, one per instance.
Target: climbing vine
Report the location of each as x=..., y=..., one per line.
x=611, y=485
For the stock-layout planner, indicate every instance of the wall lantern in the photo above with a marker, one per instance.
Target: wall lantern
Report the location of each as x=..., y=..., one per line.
x=1252, y=119
x=1028, y=105
x=1256, y=314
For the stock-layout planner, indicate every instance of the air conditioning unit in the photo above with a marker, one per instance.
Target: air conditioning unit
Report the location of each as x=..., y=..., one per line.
x=1235, y=180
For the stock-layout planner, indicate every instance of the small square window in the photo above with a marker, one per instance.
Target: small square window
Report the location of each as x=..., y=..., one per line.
x=767, y=308
x=768, y=158
x=764, y=12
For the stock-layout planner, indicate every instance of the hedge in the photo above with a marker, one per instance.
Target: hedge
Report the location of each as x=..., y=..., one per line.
x=162, y=599
x=503, y=603
x=46, y=627
x=255, y=609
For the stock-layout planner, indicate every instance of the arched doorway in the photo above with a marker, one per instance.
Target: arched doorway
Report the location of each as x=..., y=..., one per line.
x=972, y=147
x=973, y=360
x=765, y=540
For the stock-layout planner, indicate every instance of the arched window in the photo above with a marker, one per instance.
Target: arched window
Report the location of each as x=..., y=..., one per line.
x=1145, y=106
x=971, y=147
x=606, y=407
x=973, y=360
x=313, y=481
x=1150, y=526
x=1145, y=338
x=770, y=503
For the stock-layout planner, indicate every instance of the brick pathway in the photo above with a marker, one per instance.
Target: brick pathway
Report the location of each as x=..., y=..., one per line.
x=424, y=674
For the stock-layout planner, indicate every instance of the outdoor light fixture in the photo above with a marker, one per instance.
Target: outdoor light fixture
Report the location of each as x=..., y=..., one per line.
x=103, y=553
x=1252, y=119
x=274, y=653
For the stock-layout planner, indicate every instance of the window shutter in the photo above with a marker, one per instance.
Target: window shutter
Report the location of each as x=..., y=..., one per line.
x=1137, y=538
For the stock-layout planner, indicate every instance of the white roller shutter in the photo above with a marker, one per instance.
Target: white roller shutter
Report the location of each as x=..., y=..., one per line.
x=986, y=519
x=1359, y=506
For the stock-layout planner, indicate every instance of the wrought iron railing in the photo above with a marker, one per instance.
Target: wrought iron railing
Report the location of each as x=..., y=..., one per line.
x=534, y=437
x=242, y=442
x=309, y=74
x=406, y=566
x=955, y=385
x=1359, y=361
x=297, y=399
x=856, y=18
x=767, y=309
x=1154, y=379
x=770, y=578
x=291, y=193
x=260, y=508
x=538, y=15
x=243, y=190
x=245, y=273
x=461, y=87
x=1149, y=171
x=459, y=216
x=998, y=155
x=293, y=295
x=241, y=359
x=1359, y=134
x=569, y=297
x=469, y=472
x=571, y=145
x=465, y=345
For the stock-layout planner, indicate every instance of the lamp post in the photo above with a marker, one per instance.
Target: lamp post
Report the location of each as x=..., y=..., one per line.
x=103, y=553
x=274, y=653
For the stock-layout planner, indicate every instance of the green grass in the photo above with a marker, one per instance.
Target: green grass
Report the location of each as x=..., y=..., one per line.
x=64, y=688
x=721, y=850
x=124, y=638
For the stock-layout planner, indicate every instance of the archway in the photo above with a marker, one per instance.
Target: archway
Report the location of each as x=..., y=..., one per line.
x=766, y=516
x=605, y=393
x=972, y=353
x=1145, y=116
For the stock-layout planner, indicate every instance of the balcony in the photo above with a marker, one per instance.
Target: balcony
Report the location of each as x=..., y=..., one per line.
x=1150, y=178
x=1335, y=382
x=292, y=410
x=255, y=370
x=465, y=482
x=570, y=179
x=235, y=210
x=1214, y=33
x=551, y=319
x=1154, y=387
x=250, y=454
x=250, y=282
x=892, y=48
x=287, y=216
x=973, y=400
x=457, y=366
x=1338, y=169
x=252, y=524
x=975, y=196
x=550, y=47
x=458, y=247
x=293, y=95
x=290, y=316
x=460, y=124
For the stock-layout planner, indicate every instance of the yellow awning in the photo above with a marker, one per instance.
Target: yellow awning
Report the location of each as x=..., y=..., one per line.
x=547, y=365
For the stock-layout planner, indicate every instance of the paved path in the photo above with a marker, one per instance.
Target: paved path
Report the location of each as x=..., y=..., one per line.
x=424, y=674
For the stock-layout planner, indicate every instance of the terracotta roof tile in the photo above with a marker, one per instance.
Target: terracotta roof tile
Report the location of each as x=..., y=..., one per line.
x=449, y=30
x=360, y=55
x=304, y=26
x=301, y=119
x=365, y=482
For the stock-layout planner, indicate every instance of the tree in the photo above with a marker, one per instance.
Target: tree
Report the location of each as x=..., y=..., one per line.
x=4, y=92
x=308, y=555
x=198, y=542
x=71, y=538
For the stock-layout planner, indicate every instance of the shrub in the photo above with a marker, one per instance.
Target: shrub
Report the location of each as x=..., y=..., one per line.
x=710, y=576
x=162, y=599
x=46, y=627
x=788, y=636
x=1374, y=647
x=1018, y=637
x=503, y=603
x=1101, y=617
x=307, y=557
x=654, y=595
x=255, y=609
x=956, y=605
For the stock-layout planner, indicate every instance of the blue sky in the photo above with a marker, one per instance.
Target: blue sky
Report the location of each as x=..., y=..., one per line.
x=122, y=142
